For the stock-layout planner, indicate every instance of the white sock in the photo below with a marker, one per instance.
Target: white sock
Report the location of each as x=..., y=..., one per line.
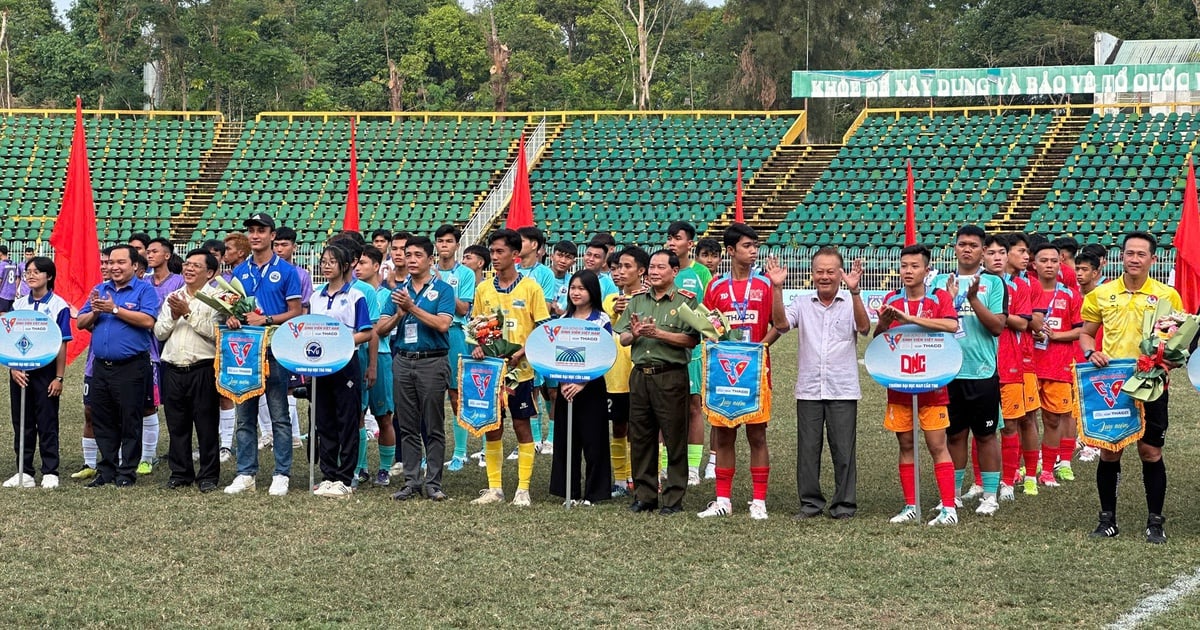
x=725, y=501
x=150, y=437
x=89, y=452
x=264, y=417
x=228, y=417
x=294, y=415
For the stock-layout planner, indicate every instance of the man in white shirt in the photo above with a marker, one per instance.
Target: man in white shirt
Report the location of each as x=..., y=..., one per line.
x=827, y=391
x=186, y=328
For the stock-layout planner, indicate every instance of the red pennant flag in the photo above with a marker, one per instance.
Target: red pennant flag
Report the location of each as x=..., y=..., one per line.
x=350, y=222
x=737, y=197
x=1187, y=246
x=910, y=210
x=520, y=207
x=74, y=239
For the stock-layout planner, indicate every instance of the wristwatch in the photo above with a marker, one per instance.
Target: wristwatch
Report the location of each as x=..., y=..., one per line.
x=1087, y=354
x=59, y=379
x=116, y=309
x=270, y=320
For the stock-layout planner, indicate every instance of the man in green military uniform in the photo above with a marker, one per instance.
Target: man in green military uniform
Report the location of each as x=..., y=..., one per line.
x=661, y=346
x=694, y=278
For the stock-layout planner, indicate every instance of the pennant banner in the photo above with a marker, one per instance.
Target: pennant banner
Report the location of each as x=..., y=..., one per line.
x=241, y=362
x=1108, y=417
x=735, y=386
x=479, y=389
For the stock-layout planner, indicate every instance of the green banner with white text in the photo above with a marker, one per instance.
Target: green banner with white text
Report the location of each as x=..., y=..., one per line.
x=1023, y=81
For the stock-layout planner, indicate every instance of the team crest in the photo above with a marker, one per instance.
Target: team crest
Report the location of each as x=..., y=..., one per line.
x=275, y=276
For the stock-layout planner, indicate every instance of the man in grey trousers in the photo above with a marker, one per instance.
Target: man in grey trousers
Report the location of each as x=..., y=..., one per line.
x=827, y=390
x=420, y=311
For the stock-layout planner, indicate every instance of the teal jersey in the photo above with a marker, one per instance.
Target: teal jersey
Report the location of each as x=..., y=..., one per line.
x=607, y=286
x=979, y=346
x=542, y=275
x=462, y=280
x=373, y=307
x=690, y=279
x=560, y=291
x=383, y=295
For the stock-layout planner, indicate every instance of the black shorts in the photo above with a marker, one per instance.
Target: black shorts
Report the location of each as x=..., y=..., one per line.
x=618, y=408
x=974, y=405
x=1155, y=414
x=520, y=402
x=87, y=391
x=5, y=305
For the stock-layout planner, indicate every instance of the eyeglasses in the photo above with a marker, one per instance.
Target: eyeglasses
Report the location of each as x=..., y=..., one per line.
x=193, y=265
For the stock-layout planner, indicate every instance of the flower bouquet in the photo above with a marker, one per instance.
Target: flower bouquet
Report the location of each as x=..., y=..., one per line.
x=711, y=324
x=487, y=332
x=1166, y=336
x=231, y=299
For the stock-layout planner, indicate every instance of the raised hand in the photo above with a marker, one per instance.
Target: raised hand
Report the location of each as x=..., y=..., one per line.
x=853, y=278
x=775, y=272
x=973, y=290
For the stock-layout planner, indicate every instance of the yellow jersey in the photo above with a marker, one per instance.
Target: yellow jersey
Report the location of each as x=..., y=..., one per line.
x=523, y=306
x=1121, y=312
x=617, y=377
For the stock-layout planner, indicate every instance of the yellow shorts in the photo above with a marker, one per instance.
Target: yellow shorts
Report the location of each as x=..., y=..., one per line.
x=1012, y=401
x=1057, y=396
x=1032, y=397
x=898, y=418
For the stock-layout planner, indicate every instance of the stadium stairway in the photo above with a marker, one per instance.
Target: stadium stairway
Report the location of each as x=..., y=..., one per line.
x=553, y=131
x=782, y=182
x=200, y=192
x=1039, y=179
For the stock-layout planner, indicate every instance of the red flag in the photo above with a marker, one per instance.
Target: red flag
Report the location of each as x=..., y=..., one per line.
x=75, y=242
x=737, y=197
x=350, y=221
x=1187, y=246
x=910, y=210
x=520, y=207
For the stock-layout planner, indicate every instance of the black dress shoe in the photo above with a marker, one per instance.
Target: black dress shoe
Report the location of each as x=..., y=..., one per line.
x=803, y=516
x=436, y=495
x=668, y=510
x=842, y=516
x=406, y=493
x=174, y=484
x=207, y=486
x=124, y=483
x=642, y=506
x=96, y=482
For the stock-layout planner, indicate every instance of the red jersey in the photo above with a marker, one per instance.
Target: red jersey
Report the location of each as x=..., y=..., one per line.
x=746, y=303
x=1066, y=275
x=1061, y=306
x=937, y=306
x=1010, y=353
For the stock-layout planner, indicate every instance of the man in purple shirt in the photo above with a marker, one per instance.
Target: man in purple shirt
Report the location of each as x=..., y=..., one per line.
x=10, y=280
x=158, y=253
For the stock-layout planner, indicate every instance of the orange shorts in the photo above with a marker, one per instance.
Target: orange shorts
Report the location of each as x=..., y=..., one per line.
x=1074, y=396
x=1032, y=397
x=1057, y=396
x=898, y=418
x=1012, y=401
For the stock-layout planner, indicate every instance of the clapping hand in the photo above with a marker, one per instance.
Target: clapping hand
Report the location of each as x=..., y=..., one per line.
x=179, y=306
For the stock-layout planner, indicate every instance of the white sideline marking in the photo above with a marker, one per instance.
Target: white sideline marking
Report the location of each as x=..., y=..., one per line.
x=1158, y=602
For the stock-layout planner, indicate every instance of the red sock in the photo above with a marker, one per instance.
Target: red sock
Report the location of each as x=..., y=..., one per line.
x=945, y=481
x=908, y=484
x=1066, y=448
x=1031, y=463
x=1049, y=456
x=975, y=461
x=758, y=480
x=1010, y=457
x=724, y=482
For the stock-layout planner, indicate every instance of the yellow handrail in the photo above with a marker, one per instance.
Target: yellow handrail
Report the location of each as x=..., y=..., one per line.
x=115, y=113
x=858, y=121
x=795, y=130
x=562, y=115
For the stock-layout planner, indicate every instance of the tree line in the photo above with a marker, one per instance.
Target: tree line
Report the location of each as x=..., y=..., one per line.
x=245, y=56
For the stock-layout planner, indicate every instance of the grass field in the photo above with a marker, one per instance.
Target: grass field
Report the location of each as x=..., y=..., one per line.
x=148, y=557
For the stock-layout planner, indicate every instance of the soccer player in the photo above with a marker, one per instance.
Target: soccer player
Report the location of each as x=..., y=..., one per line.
x=748, y=300
x=462, y=281
x=523, y=305
x=379, y=397
x=158, y=254
x=1021, y=293
x=10, y=280
x=980, y=300
x=562, y=261
x=708, y=252
x=629, y=276
x=1100, y=253
x=1119, y=306
x=399, y=241
x=382, y=240
x=368, y=353
x=1056, y=325
x=932, y=309
x=1010, y=364
x=595, y=259
x=477, y=258
x=533, y=245
x=694, y=278
x=1089, y=268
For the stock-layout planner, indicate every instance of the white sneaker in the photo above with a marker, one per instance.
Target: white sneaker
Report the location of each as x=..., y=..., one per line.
x=945, y=517
x=521, y=498
x=297, y=442
x=693, y=476
x=279, y=486
x=988, y=507
x=396, y=469
x=226, y=455
x=482, y=463
x=547, y=448
x=323, y=486
x=1006, y=493
x=477, y=456
x=489, y=495
x=1088, y=454
x=49, y=482
x=241, y=483
x=957, y=504
x=710, y=471
x=758, y=511
x=265, y=441
x=909, y=513
x=512, y=457
x=335, y=490
x=716, y=508
x=23, y=480
x=974, y=492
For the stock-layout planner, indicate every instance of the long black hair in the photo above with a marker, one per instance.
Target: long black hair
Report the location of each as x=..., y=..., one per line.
x=591, y=284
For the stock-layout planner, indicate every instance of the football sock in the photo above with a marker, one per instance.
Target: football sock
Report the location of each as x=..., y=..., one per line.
x=758, y=481
x=525, y=453
x=616, y=452
x=550, y=430
x=150, y=437
x=908, y=483
x=294, y=414
x=626, y=469
x=724, y=483
x=662, y=457
x=991, y=483
x=1010, y=457
x=362, y=450
x=535, y=426
x=1108, y=475
x=228, y=418
x=1066, y=448
x=946, y=477
x=89, y=452
x=1154, y=476
x=387, y=456
x=1031, y=462
x=493, y=454
x=1049, y=456
x=695, y=454
x=264, y=417
x=460, y=441
x=959, y=474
